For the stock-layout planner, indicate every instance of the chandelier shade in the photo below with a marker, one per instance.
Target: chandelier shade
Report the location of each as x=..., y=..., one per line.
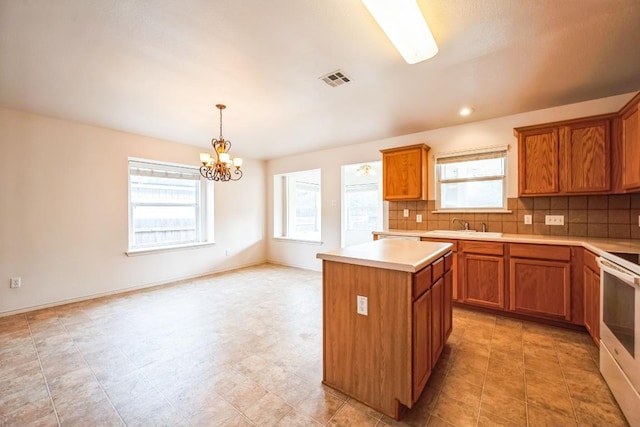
x=220, y=166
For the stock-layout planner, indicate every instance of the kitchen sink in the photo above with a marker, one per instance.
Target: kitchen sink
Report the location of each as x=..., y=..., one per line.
x=462, y=233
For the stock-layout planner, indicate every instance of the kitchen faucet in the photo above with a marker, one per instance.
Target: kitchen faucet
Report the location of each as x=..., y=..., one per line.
x=463, y=223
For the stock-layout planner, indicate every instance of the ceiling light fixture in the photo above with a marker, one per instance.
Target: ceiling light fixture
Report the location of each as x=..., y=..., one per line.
x=403, y=22
x=365, y=170
x=465, y=111
x=219, y=168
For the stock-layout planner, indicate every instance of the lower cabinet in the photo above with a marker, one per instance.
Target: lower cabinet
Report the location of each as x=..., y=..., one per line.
x=448, y=297
x=482, y=272
x=591, y=277
x=421, y=342
x=437, y=320
x=540, y=281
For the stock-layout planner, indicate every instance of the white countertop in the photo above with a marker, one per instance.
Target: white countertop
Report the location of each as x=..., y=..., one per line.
x=390, y=254
x=593, y=244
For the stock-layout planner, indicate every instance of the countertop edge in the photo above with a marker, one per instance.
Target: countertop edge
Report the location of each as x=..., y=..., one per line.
x=408, y=267
x=597, y=245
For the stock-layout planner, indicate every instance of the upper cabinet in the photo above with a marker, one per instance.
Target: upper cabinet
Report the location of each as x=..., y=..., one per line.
x=405, y=173
x=630, y=145
x=572, y=157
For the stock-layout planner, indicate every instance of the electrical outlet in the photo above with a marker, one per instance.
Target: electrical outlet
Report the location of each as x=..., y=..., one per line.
x=419, y=218
x=15, y=282
x=363, y=305
x=638, y=220
x=405, y=213
x=528, y=219
x=554, y=219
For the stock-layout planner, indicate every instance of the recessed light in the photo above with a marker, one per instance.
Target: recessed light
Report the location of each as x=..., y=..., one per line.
x=466, y=111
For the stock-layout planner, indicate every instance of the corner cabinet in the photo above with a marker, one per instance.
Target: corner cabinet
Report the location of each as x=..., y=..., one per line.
x=540, y=280
x=405, y=173
x=572, y=157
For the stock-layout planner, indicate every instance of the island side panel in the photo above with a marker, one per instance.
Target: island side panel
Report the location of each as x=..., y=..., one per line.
x=368, y=357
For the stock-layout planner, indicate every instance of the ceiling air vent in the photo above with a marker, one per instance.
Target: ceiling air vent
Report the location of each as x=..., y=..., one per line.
x=336, y=78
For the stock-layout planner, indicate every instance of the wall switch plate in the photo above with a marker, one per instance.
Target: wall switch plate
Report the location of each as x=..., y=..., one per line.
x=419, y=218
x=363, y=305
x=405, y=213
x=638, y=220
x=554, y=219
x=15, y=282
x=528, y=219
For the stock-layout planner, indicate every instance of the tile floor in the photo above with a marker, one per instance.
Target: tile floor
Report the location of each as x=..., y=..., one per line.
x=244, y=348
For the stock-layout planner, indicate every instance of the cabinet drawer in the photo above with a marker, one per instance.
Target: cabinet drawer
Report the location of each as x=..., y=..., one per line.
x=483, y=248
x=421, y=281
x=556, y=253
x=437, y=269
x=448, y=261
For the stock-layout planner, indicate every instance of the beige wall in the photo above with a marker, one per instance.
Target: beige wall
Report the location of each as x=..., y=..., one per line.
x=64, y=220
x=456, y=138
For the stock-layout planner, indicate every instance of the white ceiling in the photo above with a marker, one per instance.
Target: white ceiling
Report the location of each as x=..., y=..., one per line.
x=158, y=67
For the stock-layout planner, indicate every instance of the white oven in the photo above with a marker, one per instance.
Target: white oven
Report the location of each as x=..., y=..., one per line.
x=620, y=330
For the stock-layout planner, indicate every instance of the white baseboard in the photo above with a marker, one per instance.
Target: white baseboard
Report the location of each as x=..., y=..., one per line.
x=125, y=290
x=287, y=264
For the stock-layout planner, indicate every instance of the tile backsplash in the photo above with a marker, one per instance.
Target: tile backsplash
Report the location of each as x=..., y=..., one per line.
x=614, y=216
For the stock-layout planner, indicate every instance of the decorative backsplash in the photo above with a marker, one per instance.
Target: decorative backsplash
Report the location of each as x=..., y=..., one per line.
x=614, y=216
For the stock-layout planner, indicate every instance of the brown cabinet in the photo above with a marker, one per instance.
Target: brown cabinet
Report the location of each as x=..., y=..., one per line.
x=572, y=157
x=538, y=156
x=482, y=272
x=591, y=277
x=383, y=357
x=421, y=342
x=586, y=150
x=540, y=280
x=452, y=264
x=404, y=173
x=630, y=146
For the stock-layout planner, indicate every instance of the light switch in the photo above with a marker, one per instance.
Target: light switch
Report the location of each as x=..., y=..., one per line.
x=363, y=305
x=405, y=213
x=419, y=218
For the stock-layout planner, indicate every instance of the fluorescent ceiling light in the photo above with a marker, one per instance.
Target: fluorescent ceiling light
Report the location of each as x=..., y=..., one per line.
x=405, y=26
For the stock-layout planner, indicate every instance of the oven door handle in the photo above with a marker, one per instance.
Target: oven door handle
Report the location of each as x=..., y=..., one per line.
x=618, y=272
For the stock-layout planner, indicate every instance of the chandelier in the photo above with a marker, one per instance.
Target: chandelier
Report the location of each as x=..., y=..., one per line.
x=221, y=167
x=365, y=170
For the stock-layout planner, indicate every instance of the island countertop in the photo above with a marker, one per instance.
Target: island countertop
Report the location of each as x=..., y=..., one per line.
x=401, y=255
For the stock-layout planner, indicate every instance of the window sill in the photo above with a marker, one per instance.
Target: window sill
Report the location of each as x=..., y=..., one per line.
x=148, y=251
x=496, y=211
x=291, y=239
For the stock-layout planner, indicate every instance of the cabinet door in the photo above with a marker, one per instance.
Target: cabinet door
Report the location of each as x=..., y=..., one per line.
x=588, y=299
x=421, y=343
x=586, y=150
x=541, y=288
x=631, y=149
x=437, y=320
x=538, y=154
x=592, y=303
x=405, y=173
x=482, y=278
x=446, y=308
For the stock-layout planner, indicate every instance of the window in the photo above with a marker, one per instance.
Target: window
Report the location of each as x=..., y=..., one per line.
x=474, y=181
x=297, y=205
x=363, y=202
x=169, y=205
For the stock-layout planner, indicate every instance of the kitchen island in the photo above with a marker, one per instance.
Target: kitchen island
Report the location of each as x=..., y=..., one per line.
x=386, y=317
